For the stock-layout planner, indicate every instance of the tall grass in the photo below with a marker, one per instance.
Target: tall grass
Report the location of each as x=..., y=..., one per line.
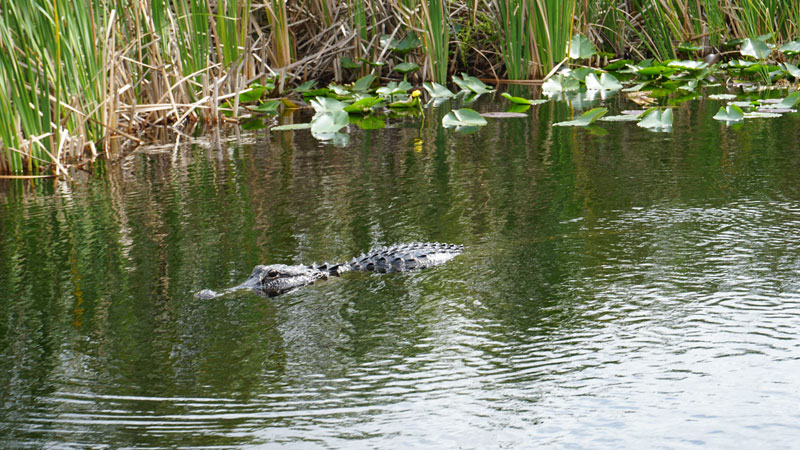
x=75, y=76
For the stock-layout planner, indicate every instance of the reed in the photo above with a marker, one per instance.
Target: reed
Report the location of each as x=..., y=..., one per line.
x=75, y=76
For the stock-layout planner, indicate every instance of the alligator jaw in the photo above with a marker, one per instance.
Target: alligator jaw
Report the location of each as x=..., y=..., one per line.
x=276, y=279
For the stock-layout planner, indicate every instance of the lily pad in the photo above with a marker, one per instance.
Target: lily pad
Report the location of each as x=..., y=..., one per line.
x=791, y=48
x=689, y=47
x=560, y=83
x=268, y=107
x=755, y=48
x=731, y=113
x=348, y=63
x=656, y=118
x=406, y=67
x=607, y=82
x=436, y=90
x=722, y=96
x=329, y=122
x=363, y=105
x=291, y=126
x=688, y=65
x=580, y=47
x=791, y=69
x=363, y=83
x=393, y=88
x=305, y=87
x=522, y=101
x=790, y=100
x=464, y=117
x=326, y=104
x=620, y=118
x=470, y=83
x=761, y=115
x=503, y=115
x=584, y=119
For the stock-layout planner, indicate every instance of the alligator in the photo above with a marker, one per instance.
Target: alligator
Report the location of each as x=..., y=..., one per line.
x=276, y=279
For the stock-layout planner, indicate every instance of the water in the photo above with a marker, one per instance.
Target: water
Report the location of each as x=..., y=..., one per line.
x=619, y=288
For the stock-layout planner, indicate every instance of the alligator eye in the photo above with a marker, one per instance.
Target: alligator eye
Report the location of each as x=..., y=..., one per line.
x=272, y=273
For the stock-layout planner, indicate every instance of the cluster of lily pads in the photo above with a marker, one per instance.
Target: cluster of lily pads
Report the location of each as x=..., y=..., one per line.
x=359, y=103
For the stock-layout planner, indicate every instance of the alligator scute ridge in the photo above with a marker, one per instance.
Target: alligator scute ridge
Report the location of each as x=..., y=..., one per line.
x=276, y=279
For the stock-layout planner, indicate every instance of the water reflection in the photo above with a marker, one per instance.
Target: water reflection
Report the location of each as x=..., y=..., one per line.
x=611, y=282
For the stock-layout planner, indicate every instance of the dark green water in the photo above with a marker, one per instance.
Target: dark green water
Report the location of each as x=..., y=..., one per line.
x=619, y=288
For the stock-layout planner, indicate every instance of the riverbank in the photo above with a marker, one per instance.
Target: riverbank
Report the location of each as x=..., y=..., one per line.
x=106, y=72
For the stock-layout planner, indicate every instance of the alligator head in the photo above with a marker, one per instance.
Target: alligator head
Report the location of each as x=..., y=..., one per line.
x=278, y=278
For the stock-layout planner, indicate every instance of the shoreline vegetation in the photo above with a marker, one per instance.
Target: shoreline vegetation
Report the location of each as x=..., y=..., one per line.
x=80, y=79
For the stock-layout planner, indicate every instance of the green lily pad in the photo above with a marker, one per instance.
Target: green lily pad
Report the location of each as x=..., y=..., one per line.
x=363, y=83
x=464, y=117
x=347, y=63
x=790, y=48
x=580, y=47
x=560, y=83
x=607, y=82
x=291, y=126
x=731, y=113
x=406, y=67
x=305, y=87
x=254, y=93
x=621, y=118
x=755, y=49
x=722, y=96
x=268, y=107
x=394, y=88
x=436, y=90
x=368, y=122
x=792, y=70
x=522, y=101
x=584, y=119
x=656, y=118
x=329, y=122
x=790, y=100
x=504, y=115
x=326, y=104
x=688, y=65
x=761, y=115
x=470, y=83
x=616, y=65
x=363, y=105
x=656, y=70
x=689, y=47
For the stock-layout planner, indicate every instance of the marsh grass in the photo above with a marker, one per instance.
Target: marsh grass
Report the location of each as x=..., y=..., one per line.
x=77, y=76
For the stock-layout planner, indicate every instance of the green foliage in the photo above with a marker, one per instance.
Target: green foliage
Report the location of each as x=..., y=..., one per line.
x=584, y=119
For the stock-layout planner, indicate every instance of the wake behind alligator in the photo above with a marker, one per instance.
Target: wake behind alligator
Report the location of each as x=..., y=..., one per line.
x=276, y=279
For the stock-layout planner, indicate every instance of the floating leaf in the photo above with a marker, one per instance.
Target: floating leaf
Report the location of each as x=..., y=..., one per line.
x=722, y=96
x=408, y=43
x=393, y=88
x=519, y=109
x=406, y=67
x=305, y=87
x=655, y=118
x=616, y=65
x=731, y=113
x=761, y=115
x=689, y=47
x=688, y=65
x=790, y=100
x=584, y=119
x=291, y=126
x=329, y=122
x=792, y=70
x=560, y=83
x=621, y=118
x=436, y=90
x=469, y=83
x=254, y=93
x=607, y=82
x=503, y=115
x=790, y=48
x=522, y=101
x=464, y=117
x=368, y=122
x=363, y=83
x=755, y=49
x=656, y=70
x=348, y=63
x=326, y=104
x=268, y=107
x=580, y=47
x=363, y=105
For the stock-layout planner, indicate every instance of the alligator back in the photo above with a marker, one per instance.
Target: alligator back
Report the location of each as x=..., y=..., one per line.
x=400, y=258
